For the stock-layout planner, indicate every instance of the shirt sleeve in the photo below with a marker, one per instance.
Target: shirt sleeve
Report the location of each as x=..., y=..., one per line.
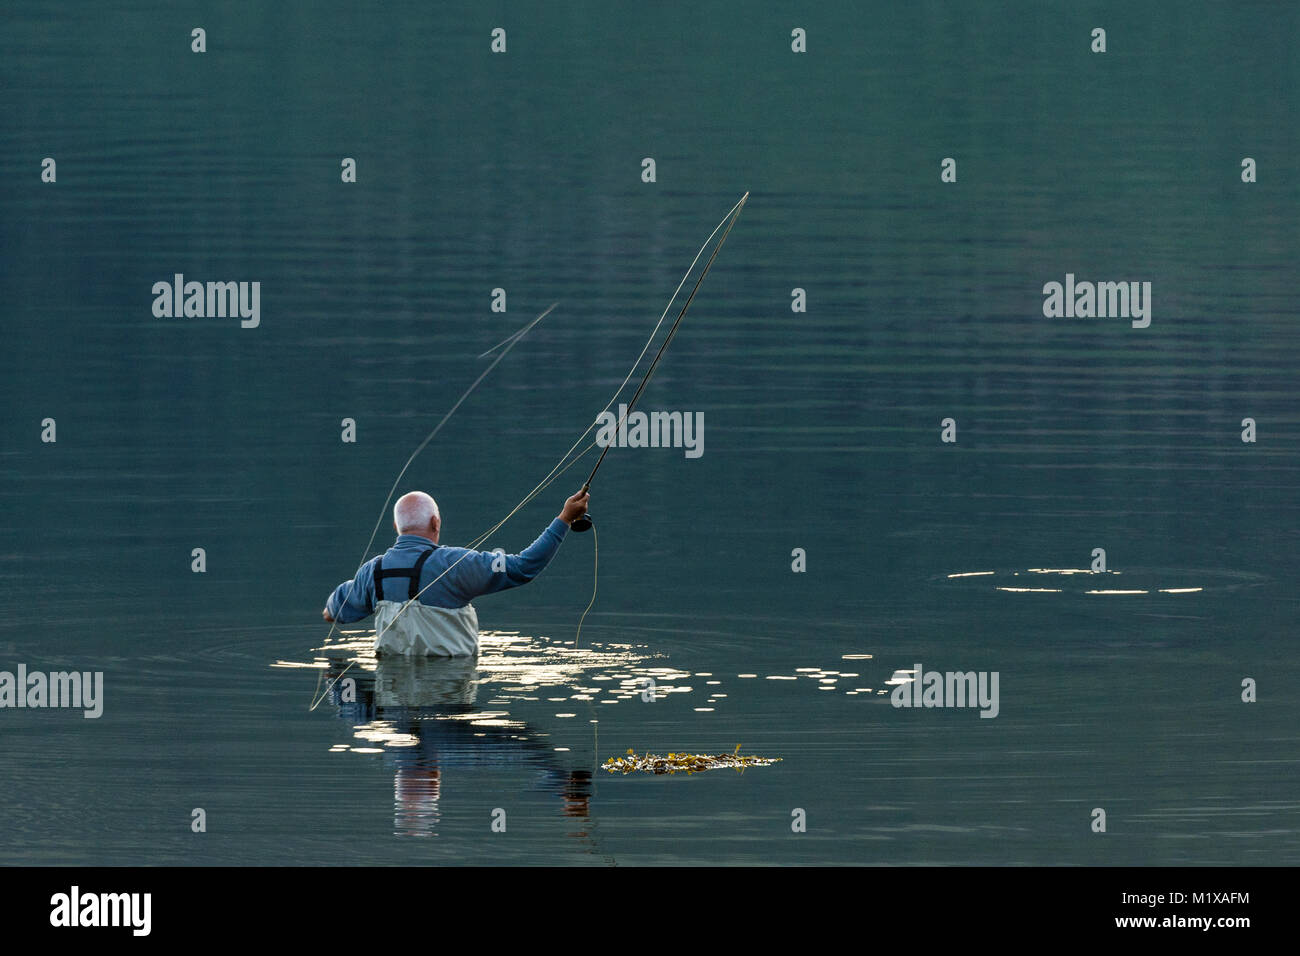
x=349, y=601
x=486, y=572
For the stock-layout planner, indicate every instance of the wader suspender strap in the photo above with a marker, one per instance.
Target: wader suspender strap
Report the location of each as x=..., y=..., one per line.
x=415, y=574
x=412, y=573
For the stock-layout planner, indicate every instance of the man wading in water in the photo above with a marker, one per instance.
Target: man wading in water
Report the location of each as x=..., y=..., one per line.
x=441, y=621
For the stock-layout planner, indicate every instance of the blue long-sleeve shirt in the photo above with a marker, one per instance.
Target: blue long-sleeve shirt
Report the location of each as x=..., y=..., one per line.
x=473, y=573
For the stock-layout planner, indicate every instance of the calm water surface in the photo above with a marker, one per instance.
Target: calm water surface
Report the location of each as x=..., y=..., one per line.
x=821, y=431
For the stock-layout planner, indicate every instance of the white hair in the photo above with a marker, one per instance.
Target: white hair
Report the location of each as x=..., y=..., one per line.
x=415, y=511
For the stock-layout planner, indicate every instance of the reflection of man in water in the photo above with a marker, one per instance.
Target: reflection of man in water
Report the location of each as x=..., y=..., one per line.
x=420, y=699
x=438, y=582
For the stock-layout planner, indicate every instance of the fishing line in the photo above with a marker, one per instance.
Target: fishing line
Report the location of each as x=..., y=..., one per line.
x=595, y=580
x=383, y=511
x=584, y=523
x=552, y=475
x=511, y=337
x=509, y=342
x=564, y=464
x=672, y=332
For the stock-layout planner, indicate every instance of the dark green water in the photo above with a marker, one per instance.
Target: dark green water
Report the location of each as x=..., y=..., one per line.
x=822, y=429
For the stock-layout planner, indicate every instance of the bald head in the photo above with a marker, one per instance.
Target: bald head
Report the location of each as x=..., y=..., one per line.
x=417, y=513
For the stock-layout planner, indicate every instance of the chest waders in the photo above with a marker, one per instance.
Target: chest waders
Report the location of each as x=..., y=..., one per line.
x=420, y=629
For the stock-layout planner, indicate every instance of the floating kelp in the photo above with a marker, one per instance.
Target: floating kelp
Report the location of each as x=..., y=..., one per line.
x=684, y=763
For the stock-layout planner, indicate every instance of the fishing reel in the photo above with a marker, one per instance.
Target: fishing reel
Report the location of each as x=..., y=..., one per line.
x=581, y=524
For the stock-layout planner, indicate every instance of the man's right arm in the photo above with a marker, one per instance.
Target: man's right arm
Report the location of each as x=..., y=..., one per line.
x=486, y=572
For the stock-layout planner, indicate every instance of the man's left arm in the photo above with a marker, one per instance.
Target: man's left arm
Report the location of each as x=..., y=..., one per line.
x=348, y=603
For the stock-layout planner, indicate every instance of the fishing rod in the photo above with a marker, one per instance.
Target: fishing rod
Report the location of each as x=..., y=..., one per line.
x=584, y=523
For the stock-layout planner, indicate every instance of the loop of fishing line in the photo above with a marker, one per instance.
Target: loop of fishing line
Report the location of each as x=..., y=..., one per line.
x=509, y=342
x=512, y=339
x=595, y=580
x=563, y=465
